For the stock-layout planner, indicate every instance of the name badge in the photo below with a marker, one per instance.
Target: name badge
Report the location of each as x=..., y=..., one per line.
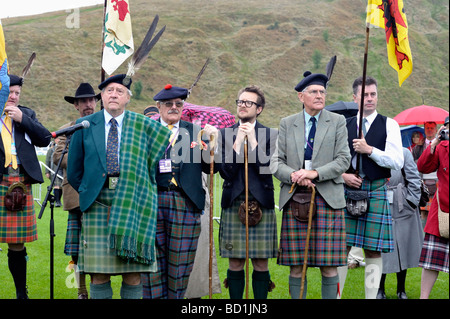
x=113, y=182
x=165, y=166
x=308, y=164
x=390, y=196
x=13, y=148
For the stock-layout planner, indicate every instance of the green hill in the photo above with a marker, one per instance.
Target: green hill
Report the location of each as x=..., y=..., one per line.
x=267, y=43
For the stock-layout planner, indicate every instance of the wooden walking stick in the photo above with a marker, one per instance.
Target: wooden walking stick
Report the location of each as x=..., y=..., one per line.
x=246, y=215
x=308, y=234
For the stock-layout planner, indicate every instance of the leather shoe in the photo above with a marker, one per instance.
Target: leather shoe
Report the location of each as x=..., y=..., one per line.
x=381, y=294
x=402, y=295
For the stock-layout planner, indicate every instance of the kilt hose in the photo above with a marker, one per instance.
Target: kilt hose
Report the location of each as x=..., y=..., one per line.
x=17, y=227
x=327, y=244
x=94, y=255
x=373, y=231
x=434, y=254
x=262, y=241
x=177, y=232
x=72, y=244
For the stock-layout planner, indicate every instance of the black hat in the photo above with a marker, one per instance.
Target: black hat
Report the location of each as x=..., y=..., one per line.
x=15, y=80
x=84, y=90
x=311, y=78
x=171, y=92
x=119, y=78
x=151, y=110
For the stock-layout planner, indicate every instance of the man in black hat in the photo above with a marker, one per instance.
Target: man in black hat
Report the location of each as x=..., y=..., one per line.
x=312, y=151
x=181, y=198
x=20, y=133
x=84, y=101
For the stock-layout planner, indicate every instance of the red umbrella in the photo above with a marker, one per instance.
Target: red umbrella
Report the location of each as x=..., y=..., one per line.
x=419, y=115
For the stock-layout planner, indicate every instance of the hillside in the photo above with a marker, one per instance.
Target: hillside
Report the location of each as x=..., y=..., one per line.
x=267, y=43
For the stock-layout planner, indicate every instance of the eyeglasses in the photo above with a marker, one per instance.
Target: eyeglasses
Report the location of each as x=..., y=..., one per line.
x=170, y=104
x=246, y=103
x=317, y=92
x=119, y=91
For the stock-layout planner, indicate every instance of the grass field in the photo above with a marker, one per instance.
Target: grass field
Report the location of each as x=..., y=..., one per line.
x=39, y=268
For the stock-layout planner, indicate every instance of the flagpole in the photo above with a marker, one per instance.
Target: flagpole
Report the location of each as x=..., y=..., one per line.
x=102, y=73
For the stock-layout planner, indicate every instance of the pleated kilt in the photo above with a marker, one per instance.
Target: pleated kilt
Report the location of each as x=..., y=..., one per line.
x=94, y=254
x=177, y=232
x=262, y=241
x=327, y=244
x=72, y=244
x=434, y=254
x=373, y=231
x=17, y=227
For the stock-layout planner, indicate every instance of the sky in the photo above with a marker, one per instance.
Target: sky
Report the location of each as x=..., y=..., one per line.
x=18, y=8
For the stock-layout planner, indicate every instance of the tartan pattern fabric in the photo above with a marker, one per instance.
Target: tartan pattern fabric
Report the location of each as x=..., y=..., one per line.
x=94, y=255
x=373, y=231
x=327, y=244
x=72, y=244
x=263, y=242
x=132, y=223
x=177, y=234
x=112, y=149
x=20, y=226
x=434, y=254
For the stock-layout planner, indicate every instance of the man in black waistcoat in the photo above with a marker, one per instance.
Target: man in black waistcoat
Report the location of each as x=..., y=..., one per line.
x=380, y=150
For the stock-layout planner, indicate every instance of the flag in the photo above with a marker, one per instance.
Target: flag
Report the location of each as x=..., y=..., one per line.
x=389, y=14
x=118, y=38
x=4, y=78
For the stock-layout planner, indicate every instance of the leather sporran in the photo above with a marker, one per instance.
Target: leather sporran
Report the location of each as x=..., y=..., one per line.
x=16, y=197
x=254, y=213
x=300, y=204
x=424, y=194
x=357, y=202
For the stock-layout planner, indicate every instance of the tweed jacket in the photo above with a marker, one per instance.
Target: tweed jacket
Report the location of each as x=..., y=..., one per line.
x=330, y=158
x=28, y=134
x=259, y=176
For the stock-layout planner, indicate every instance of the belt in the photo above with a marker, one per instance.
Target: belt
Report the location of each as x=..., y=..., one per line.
x=170, y=188
x=13, y=171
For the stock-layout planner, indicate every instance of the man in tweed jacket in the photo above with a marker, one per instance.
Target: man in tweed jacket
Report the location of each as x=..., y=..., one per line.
x=117, y=191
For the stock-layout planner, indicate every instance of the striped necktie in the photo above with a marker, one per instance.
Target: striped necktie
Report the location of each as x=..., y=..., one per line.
x=310, y=142
x=170, y=127
x=112, y=149
x=7, y=141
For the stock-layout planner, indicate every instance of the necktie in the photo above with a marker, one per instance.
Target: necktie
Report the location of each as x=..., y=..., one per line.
x=364, y=130
x=310, y=141
x=112, y=149
x=7, y=141
x=172, y=139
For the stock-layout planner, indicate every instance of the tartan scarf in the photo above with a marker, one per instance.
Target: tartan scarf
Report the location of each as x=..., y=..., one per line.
x=132, y=221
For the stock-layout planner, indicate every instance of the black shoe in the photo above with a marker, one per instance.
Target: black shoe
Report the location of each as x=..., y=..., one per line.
x=381, y=294
x=402, y=295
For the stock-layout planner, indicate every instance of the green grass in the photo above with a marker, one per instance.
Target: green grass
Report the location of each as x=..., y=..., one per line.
x=39, y=268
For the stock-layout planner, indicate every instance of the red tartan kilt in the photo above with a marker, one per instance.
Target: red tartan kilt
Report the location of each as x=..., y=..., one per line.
x=17, y=227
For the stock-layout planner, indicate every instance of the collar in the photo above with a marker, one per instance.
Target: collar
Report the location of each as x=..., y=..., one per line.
x=369, y=118
x=119, y=118
x=175, y=125
x=308, y=117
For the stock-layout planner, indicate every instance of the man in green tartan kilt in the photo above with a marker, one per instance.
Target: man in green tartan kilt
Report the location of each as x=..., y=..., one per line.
x=263, y=230
x=312, y=151
x=112, y=165
x=380, y=150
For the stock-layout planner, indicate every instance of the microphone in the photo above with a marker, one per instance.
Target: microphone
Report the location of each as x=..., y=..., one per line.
x=71, y=129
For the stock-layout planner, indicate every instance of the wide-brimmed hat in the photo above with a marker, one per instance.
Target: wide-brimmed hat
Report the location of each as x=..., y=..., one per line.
x=84, y=90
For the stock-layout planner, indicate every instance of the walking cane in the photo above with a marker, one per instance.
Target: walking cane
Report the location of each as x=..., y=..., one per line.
x=246, y=214
x=308, y=234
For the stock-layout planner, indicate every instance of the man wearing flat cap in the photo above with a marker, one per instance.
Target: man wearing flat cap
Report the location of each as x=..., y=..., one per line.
x=20, y=133
x=84, y=102
x=312, y=151
x=112, y=166
x=181, y=197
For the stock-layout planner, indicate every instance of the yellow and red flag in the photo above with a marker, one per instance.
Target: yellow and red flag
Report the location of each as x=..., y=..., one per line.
x=4, y=78
x=390, y=15
x=118, y=36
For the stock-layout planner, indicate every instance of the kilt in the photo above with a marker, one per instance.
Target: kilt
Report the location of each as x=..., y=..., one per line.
x=72, y=244
x=434, y=254
x=177, y=232
x=373, y=231
x=262, y=238
x=17, y=227
x=95, y=255
x=327, y=244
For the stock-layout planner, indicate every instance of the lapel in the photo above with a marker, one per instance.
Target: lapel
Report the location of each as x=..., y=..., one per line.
x=323, y=123
x=299, y=136
x=98, y=136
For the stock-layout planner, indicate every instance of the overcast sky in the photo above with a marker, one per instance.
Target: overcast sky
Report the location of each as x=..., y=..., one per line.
x=17, y=8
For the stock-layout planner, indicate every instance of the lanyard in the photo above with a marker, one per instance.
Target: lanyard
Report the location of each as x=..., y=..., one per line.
x=171, y=142
x=12, y=127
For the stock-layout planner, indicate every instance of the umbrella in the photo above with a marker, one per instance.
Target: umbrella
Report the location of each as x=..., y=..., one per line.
x=407, y=133
x=348, y=109
x=201, y=115
x=419, y=115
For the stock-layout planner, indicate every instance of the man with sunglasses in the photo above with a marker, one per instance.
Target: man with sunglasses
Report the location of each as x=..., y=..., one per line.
x=262, y=241
x=181, y=197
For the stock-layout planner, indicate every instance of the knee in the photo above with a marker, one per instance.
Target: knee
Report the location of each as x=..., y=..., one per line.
x=132, y=279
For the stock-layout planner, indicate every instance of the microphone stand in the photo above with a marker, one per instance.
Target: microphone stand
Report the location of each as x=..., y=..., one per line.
x=51, y=198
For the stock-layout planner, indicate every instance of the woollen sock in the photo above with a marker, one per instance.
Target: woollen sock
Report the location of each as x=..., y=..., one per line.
x=236, y=283
x=131, y=291
x=101, y=291
x=295, y=285
x=330, y=287
x=260, y=284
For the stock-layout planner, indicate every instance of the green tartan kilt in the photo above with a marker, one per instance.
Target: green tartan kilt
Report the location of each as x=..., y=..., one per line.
x=263, y=240
x=373, y=231
x=17, y=227
x=95, y=256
